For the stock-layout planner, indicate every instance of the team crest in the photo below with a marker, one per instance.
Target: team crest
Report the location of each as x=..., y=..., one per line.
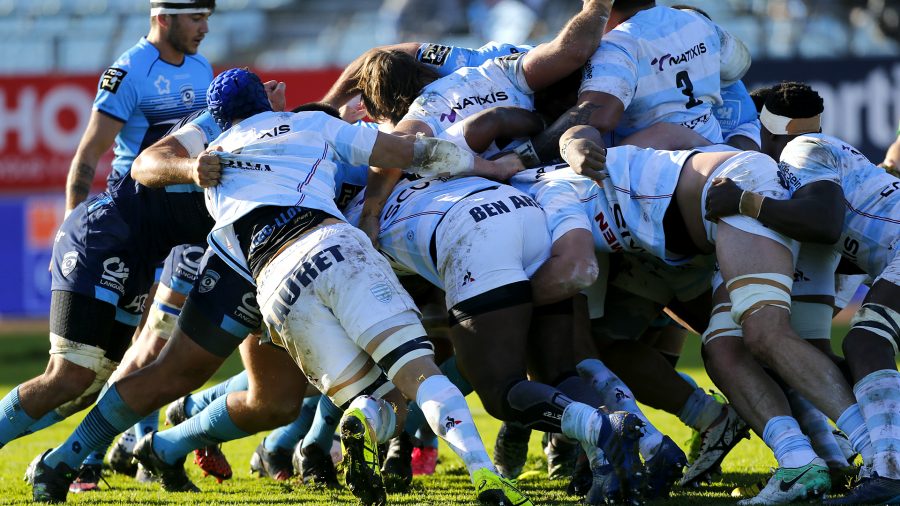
x=208, y=281
x=382, y=291
x=70, y=260
x=187, y=95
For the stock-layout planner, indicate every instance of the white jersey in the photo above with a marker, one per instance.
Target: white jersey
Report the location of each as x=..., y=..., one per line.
x=412, y=214
x=871, y=235
x=449, y=100
x=664, y=65
x=280, y=159
x=626, y=214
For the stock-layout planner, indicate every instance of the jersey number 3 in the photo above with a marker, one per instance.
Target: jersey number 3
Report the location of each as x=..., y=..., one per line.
x=683, y=82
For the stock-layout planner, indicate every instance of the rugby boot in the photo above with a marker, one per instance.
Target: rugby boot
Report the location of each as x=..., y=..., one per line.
x=176, y=412
x=751, y=490
x=790, y=484
x=362, y=468
x=172, y=476
x=424, y=460
x=50, y=485
x=315, y=466
x=213, y=463
x=582, y=477
x=664, y=469
x=561, y=454
x=276, y=464
x=88, y=479
x=716, y=442
x=121, y=458
x=871, y=490
x=605, y=486
x=693, y=443
x=397, y=468
x=511, y=449
x=620, y=446
x=495, y=490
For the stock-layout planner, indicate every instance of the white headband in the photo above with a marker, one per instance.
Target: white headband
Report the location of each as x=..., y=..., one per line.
x=177, y=7
x=782, y=125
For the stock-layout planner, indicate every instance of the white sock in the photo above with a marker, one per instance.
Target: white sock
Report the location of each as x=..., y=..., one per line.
x=878, y=395
x=380, y=415
x=449, y=417
x=792, y=449
x=816, y=425
x=618, y=397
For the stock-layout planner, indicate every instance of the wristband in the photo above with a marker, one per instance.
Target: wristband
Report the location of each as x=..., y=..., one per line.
x=527, y=154
x=750, y=204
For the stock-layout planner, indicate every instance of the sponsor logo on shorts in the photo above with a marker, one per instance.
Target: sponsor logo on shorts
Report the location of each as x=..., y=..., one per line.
x=208, y=281
x=382, y=291
x=303, y=276
x=468, y=278
x=111, y=79
x=115, y=273
x=70, y=260
x=187, y=95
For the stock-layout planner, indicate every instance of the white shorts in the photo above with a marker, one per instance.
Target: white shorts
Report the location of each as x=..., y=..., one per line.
x=814, y=272
x=485, y=242
x=653, y=279
x=325, y=297
x=754, y=172
x=891, y=273
x=846, y=286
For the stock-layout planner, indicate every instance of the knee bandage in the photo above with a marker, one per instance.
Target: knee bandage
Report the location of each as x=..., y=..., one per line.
x=89, y=357
x=437, y=157
x=752, y=292
x=359, y=379
x=879, y=320
x=401, y=347
x=721, y=324
x=811, y=320
x=162, y=320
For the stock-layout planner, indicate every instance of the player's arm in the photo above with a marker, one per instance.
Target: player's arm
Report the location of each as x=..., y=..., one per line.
x=741, y=142
x=734, y=58
x=570, y=49
x=345, y=87
x=169, y=162
x=582, y=148
x=98, y=137
x=814, y=214
x=482, y=129
x=667, y=136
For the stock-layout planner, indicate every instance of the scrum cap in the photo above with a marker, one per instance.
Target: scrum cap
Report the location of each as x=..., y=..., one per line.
x=236, y=93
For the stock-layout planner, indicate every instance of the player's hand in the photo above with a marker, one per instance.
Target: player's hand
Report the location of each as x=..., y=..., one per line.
x=207, y=169
x=354, y=110
x=586, y=158
x=275, y=92
x=723, y=199
x=371, y=226
x=499, y=169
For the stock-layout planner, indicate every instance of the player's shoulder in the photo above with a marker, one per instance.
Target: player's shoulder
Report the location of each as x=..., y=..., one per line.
x=199, y=60
x=131, y=65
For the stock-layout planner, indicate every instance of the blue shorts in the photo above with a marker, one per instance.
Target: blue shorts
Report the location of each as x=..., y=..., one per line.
x=221, y=308
x=180, y=268
x=95, y=254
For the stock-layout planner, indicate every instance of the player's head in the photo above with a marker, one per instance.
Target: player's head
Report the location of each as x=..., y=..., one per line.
x=318, y=106
x=624, y=9
x=686, y=7
x=234, y=95
x=790, y=109
x=389, y=81
x=182, y=23
x=759, y=96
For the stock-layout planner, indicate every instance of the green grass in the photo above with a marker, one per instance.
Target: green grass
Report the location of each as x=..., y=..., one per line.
x=23, y=357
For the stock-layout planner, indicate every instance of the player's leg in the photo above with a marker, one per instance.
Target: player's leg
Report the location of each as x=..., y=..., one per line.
x=273, y=456
x=312, y=457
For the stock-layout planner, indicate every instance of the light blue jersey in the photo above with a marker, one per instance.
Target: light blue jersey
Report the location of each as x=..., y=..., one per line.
x=280, y=159
x=149, y=96
x=871, y=235
x=446, y=60
x=737, y=113
x=664, y=65
x=625, y=214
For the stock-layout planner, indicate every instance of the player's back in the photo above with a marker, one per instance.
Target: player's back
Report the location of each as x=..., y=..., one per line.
x=149, y=95
x=872, y=219
x=664, y=64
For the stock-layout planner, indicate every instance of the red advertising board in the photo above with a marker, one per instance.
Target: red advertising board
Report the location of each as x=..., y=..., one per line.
x=42, y=118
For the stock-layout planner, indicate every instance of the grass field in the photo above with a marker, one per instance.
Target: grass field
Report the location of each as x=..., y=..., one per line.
x=24, y=356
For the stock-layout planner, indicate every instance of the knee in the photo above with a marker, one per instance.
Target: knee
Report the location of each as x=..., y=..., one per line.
x=579, y=273
x=67, y=380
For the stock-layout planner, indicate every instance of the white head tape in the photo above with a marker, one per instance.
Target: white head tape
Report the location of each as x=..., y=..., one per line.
x=181, y=7
x=782, y=125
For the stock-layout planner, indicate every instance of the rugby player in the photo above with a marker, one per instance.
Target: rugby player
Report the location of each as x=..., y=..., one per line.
x=839, y=198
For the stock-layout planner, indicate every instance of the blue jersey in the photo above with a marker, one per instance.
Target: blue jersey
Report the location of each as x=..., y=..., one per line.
x=737, y=114
x=446, y=60
x=149, y=96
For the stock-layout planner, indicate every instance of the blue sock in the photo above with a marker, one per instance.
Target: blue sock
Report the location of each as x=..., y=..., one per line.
x=94, y=459
x=149, y=424
x=197, y=402
x=287, y=436
x=427, y=437
x=416, y=419
x=791, y=448
x=852, y=423
x=13, y=419
x=45, y=421
x=211, y=426
x=687, y=377
x=109, y=418
x=327, y=418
